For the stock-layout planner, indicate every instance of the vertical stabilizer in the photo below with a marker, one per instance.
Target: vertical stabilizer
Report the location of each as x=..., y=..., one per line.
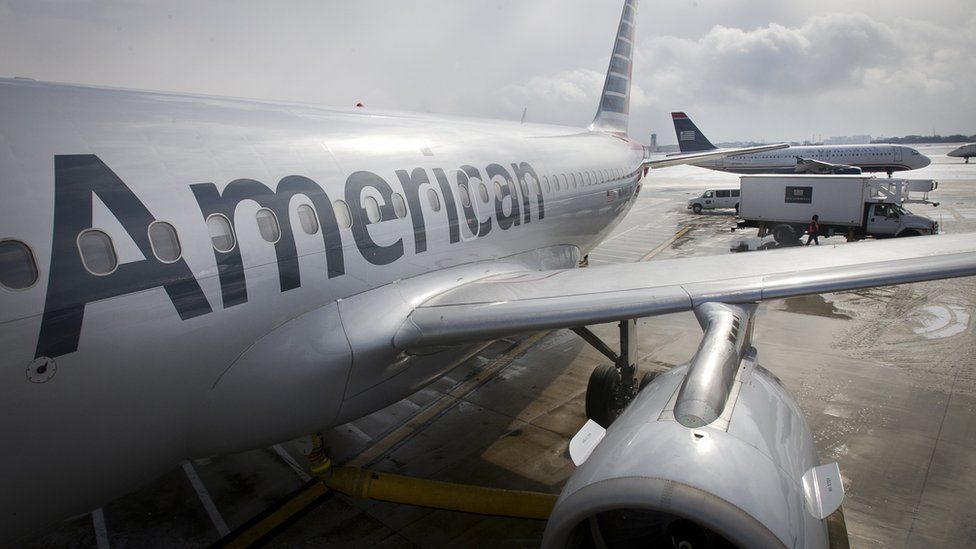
x=613, y=113
x=690, y=138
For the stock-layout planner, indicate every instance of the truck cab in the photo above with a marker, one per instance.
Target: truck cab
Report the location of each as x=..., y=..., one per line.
x=889, y=219
x=715, y=199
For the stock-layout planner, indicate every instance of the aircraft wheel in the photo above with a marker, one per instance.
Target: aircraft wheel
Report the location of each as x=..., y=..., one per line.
x=784, y=235
x=696, y=208
x=601, y=395
x=646, y=380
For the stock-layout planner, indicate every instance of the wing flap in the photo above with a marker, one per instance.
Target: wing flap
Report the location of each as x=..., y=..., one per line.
x=503, y=305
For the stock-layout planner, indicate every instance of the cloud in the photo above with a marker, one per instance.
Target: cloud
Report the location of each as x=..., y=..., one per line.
x=837, y=72
x=550, y=97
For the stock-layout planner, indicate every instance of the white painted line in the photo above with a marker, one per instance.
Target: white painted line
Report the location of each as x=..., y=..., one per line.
x=358, y=432
x=600, y=254
x=204, y=495
x=616, y=247
x=286, y=457
x=101, y=532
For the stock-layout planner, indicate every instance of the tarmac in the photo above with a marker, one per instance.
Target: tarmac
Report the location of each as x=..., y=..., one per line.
x=886, y=378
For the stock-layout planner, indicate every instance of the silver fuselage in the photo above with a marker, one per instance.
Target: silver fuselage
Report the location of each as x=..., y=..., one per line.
x=870, y=158
x=218, y=352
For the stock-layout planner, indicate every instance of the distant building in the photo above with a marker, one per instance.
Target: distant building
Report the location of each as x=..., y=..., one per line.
x=654, y=142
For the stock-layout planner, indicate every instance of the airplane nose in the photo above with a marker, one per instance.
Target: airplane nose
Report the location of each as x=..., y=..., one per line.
x=924, y=160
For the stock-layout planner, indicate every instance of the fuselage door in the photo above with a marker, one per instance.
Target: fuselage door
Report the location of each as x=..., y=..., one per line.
x=897, y=153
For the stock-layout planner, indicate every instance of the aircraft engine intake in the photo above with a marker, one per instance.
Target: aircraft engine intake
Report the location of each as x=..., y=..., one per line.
x=747, y=476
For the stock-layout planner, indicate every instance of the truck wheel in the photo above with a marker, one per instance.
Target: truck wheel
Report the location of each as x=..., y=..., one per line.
x=696, y=208
x=910, y=232
x=784, y=235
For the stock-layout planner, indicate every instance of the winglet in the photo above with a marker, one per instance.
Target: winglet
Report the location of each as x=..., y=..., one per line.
x=614, y=111
x=583, y=443
x=823, y=490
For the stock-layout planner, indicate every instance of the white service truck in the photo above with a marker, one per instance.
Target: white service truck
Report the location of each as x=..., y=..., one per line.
x=855, y=206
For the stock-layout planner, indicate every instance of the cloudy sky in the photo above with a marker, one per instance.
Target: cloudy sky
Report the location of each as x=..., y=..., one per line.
x=757, y=69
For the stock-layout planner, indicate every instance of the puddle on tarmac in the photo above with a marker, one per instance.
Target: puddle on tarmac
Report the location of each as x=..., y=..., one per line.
x=815, y=305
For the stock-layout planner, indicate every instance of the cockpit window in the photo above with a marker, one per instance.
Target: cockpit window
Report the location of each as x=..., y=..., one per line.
x=17, y=267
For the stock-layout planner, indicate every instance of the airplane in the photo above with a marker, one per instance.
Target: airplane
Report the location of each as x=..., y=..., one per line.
x=814, y=159
x=186, y=276
x=965, y=151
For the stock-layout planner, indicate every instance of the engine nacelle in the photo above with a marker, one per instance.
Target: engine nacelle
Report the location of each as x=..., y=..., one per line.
x=748, y=479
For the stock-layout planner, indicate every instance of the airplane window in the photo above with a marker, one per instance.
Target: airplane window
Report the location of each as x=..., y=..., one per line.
x=373, y=209
x=165, y=244
x=498, y=191
x=483, y=191
x=221, y=233
x=565, y=181
x=97, y=252
x=465, y=197
x=306, y=217
x=589, y=178
x=17, y=267
x=545, y=182
x=575, y=181
x=343, y=217
x=399, y=206
x=435, y=201
x=268, y=225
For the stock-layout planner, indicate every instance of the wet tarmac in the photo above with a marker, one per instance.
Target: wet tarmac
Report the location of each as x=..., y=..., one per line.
x=886, y=379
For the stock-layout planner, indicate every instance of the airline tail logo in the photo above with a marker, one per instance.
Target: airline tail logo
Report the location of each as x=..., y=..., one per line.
x=686, y=135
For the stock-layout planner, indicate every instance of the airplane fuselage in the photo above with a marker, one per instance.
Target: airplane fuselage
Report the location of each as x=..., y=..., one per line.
x=215, y=340
x=870, y=158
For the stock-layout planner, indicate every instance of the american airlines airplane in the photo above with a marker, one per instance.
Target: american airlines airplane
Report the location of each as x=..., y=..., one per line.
x=816, y=159
x=187, y=276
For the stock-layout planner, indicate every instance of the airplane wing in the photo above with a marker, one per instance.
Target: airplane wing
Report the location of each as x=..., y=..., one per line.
x=513, y=303
x=695, y=158
x=810, y=165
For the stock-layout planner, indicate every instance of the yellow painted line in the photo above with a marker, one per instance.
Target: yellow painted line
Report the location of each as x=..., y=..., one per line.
x=418, y=421
x=316, y=490
x=664, y=245
x=310, y=494
x=253, y=534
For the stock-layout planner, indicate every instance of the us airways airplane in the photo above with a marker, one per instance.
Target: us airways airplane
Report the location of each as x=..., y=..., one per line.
x=187, y=276
x=816, y=159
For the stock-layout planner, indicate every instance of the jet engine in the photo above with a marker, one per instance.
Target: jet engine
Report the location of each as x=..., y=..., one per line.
x=713, y=453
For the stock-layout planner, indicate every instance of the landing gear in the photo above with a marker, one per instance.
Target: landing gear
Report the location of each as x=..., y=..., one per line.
x=612, y=387
x=603, y=402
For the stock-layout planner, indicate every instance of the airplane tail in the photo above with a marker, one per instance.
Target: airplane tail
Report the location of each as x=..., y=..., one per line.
x=690, y=138
x=613, y=112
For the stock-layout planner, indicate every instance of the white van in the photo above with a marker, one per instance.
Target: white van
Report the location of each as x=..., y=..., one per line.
x=714, y=199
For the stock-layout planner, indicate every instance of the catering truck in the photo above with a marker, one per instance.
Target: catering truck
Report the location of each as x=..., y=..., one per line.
x=855, y=206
